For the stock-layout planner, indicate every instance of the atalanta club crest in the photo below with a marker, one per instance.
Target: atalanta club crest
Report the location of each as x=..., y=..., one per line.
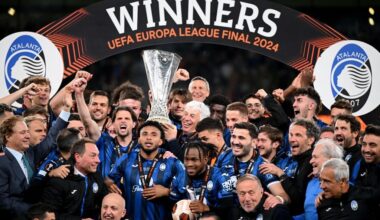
x=26, y=54
x=352, y=70
x=24, y=58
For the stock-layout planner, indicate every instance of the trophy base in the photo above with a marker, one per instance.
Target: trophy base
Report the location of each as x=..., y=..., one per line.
x=164, y=120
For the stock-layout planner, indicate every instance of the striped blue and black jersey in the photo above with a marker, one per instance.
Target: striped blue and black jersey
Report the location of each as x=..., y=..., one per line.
x=110, y=151
x=165, y=171
x=215, y=195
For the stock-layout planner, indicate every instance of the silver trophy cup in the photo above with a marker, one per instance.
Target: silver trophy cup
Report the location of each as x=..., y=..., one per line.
x=160, y=67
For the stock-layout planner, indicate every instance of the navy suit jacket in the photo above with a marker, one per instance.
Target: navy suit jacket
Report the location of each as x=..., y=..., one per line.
x=13, y=184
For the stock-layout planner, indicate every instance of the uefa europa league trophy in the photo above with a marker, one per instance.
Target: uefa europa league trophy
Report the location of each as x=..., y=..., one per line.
x=160, y=67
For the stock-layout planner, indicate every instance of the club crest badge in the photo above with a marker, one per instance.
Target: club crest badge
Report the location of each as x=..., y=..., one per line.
x=352, y=70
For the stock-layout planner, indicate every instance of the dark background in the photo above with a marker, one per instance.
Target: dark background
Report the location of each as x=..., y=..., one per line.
x=230, y=71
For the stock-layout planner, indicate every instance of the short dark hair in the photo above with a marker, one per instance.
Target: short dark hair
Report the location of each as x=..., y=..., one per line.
x=153, y=124
x=184, y=93
x=372, y=129
x=79, y=147
x=342, y=104
x=311, y=93
x=35, y=110
x=312, y=130
x=4, y=108
x=66, y=139
x=100, y=93
x=39, y=211
x=273, y=133
x=252, y=129
x=209, y=124
x=74, y=117
x=238, y=106
x=250, y=96
x=127, y=90
x=124, y=108
x=327, y=129
x=354, y=123
x=218, y=100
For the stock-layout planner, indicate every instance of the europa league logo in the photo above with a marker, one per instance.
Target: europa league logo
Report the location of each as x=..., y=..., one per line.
x=160, y=68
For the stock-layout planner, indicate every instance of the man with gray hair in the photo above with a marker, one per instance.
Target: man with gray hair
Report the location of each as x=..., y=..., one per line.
x=195, y=111
x=340, y=200
x=324, y=150
x=252, y=197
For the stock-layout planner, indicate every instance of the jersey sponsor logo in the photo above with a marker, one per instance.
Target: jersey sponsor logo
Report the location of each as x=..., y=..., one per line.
x=26, y=54
x=352, y=70
x=137, y=188
x=230, y=184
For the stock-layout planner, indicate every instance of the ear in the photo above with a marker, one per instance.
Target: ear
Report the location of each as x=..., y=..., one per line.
x=275, y=145
x=254, y=143
x=310, y=140
x=77, y=157
x=356, y=133
x=134, y=124
x=108, y=110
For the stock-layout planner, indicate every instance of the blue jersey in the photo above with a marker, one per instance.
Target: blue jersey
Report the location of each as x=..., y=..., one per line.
x=229, y=161
x=53, y=160
x=287, y=164
x=110, y=151
x=215, y=195
x=165, y=171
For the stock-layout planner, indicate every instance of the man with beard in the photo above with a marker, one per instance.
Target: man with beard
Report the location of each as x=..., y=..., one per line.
x=261, y=101
x=307, y=104
x=245, y=159
x=110, y=149
x=176, y=105
x=113, y=207
x=346, y=134
x=80, y=194
x=366, y=172
x=99, y=107
x=147, y=176
x=204, y=184
x=210, y=131
x=302, y=135
x=268, y=142
x=252, y=197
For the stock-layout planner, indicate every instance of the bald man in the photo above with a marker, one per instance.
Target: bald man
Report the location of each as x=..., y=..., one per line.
x=113, y=207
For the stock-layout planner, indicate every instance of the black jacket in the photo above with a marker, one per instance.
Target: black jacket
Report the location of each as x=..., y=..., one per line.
x=277, y=212
x=352, y=155
x=349, y=206
x=66, y=196
x=296, y=186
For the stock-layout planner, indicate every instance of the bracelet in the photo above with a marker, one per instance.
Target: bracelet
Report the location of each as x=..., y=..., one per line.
x=281, y=199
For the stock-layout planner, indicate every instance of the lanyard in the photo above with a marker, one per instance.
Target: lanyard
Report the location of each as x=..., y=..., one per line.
x=145, y=182
x=249, y=168
x=214, y=159
x=204, y=183
x=118, y=146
